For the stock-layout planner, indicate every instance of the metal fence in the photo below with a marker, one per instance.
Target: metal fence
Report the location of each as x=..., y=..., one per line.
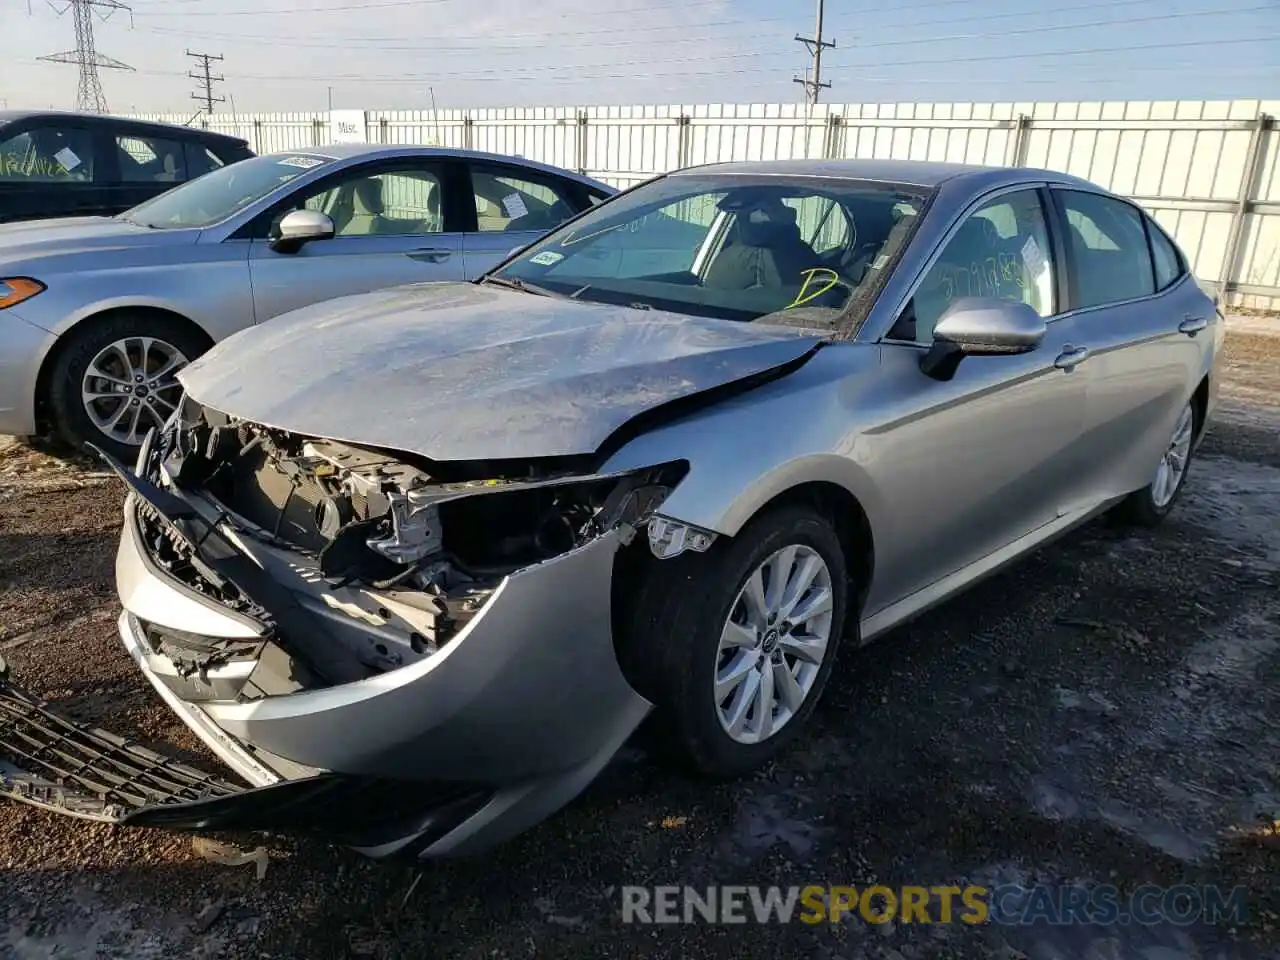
x=1207, y=170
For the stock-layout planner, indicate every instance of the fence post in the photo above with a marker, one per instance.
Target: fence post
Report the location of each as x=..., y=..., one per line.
x=257, y=136
x=468, y=134
x=580, y=143
x=684, y=141
x=383, y=126
x=317, y=132
x=1249, y=183
x=1021, y=137
x=832, y=137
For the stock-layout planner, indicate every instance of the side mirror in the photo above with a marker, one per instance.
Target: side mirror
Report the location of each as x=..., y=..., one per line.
x=981, y=326
x=302, y=226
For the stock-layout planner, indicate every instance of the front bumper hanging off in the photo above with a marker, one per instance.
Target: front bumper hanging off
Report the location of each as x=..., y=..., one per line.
x=443, y=757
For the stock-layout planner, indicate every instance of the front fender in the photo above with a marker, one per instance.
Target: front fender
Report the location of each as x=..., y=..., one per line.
x=742, y=453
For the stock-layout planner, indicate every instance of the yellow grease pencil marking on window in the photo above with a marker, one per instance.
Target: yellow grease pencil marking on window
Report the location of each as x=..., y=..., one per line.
x=812, y=276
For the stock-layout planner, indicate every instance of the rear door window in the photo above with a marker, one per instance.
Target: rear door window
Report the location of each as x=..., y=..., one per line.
x=50, y=154
x=1108, y=244
x=150, y=160
x=200, y=160
x=511, y=200
x=1164, y=255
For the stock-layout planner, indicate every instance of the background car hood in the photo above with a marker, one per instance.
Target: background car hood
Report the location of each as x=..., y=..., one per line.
x=464, y=372
x=31, y=239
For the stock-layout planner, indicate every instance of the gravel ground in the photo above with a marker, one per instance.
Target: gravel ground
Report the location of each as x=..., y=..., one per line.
x=1107, y=711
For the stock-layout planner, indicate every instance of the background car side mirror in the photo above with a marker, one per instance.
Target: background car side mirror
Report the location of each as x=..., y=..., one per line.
x=981, y=326
x=302, y=226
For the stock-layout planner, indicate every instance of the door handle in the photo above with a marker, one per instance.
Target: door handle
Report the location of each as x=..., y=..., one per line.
x=431, y=254
x=1192, y=325
x=1071, y=357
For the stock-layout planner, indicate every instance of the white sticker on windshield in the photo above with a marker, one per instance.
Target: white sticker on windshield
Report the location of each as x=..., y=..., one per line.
x=881, y=262
x=306, y=163
x=1033, y=257
x=514, y=205
x=67, y=157
x=546, y=258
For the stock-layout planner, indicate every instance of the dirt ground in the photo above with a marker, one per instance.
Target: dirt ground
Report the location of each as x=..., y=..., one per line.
x=1108, y=711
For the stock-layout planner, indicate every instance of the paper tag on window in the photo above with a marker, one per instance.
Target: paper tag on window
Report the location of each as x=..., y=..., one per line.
x=514, y=205
x=1033, y=257
x=67, y=157
x=546, y=258
x=306, y=163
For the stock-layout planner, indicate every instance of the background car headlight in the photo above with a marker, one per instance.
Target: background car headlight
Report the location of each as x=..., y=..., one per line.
x=13, y=290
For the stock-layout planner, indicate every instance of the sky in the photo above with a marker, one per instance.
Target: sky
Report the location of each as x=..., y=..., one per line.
x=303, y=55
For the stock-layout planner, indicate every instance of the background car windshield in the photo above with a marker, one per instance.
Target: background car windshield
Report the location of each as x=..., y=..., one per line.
x=215, y=196
x=734, y=247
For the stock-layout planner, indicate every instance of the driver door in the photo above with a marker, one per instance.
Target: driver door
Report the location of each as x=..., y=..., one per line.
x=393, y=225
x=968, y=466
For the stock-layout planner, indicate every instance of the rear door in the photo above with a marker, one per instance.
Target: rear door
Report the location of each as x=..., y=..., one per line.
x=514, y=206
x=52, y=168
x=1142, y=333
x=396, y=222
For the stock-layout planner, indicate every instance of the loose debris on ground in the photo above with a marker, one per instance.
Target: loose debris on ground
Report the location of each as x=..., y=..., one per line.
x=1106, y=712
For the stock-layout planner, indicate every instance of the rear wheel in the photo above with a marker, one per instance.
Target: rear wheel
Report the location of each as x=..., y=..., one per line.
x=735, y=646
x=1149, y=506
x=114, y=380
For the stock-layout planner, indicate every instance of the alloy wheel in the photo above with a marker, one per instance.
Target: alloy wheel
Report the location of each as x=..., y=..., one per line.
x=773, y=644
x=130, y=386
x=1173, y=464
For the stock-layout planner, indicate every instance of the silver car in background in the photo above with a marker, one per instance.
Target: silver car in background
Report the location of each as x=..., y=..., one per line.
x=416, y=563
x=98, y=314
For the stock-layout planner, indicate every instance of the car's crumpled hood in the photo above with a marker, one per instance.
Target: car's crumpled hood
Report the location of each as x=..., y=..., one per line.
x=32, y=239
x=465, y=372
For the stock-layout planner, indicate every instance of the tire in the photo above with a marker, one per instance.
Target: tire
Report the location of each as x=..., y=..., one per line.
x=670, y=648
x=164, y=339
x=1149, y=506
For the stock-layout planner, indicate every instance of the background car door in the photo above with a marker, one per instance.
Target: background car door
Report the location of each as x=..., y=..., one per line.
x=51, y=169
x=969, y=465
x=392, y=225
x=514, y=206
x=1142, y=369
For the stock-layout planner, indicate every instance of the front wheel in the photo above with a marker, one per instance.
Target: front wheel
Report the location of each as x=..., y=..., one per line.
x=735, y=646
x=1149, y=506
x=114, y=380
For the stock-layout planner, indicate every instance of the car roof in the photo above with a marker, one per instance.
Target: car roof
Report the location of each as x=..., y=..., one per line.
x=918, y=173
x=374, y=151
x=197, y=133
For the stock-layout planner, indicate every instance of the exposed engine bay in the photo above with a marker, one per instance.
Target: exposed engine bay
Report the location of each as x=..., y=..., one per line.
x=362, y=560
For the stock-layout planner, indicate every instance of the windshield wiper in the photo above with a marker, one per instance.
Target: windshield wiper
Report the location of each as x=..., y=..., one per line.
x=512, y=283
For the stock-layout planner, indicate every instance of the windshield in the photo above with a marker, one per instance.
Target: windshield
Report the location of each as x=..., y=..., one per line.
x=734, y=247
x=217, y=195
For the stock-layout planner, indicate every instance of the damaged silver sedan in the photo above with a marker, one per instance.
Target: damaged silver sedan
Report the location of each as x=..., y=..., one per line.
x=415, y=564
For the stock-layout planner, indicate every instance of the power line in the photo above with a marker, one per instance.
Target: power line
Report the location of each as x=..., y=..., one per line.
x=578, y=76
x=89, y=94
x=206, y=79
x=379, y=4
x=812, y=80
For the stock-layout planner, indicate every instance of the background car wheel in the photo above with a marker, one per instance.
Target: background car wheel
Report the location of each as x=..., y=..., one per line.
x=735, y=646
x=1150, y=505
x=115, y=379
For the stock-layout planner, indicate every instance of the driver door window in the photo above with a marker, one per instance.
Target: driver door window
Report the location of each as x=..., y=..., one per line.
x=393, y=203
x=1000, y=250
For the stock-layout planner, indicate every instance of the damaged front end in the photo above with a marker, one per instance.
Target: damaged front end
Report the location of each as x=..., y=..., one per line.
x=412, y=657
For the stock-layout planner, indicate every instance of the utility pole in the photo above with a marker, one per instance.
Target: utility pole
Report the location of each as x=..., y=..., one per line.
x=89, y=95
x=207, y=79
x=812, y=80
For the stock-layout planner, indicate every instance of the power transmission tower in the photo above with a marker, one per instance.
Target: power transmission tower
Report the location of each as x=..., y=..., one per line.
x=89, y=95
x=812, y=80
x=206, y=79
